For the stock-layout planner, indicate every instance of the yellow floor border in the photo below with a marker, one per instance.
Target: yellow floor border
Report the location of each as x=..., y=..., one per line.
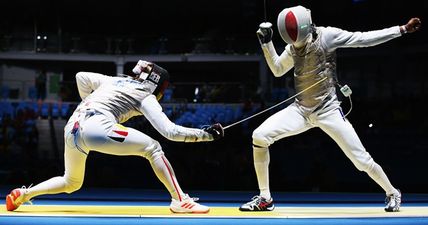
x=215, y=212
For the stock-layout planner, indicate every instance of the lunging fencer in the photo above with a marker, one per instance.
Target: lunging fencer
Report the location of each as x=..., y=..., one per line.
x=96, y=126
x=311, y=50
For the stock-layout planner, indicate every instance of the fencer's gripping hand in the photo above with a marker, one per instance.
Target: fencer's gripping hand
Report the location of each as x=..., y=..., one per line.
x=413, y=25
x=141, y=67
x=216, y=130
x=264, y=33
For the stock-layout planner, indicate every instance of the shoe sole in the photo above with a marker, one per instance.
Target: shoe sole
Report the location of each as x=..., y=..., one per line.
x=196, y=212
x=392, y=210
x=249, y=210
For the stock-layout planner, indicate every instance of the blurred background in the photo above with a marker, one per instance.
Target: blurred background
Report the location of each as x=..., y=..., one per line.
x=218, y=75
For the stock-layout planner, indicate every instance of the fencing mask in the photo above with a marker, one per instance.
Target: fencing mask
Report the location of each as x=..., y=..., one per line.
x=295, y=25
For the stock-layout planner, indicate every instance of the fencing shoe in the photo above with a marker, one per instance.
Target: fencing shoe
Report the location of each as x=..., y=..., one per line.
x=258, y=203
x=188, y=205
x=15, y=198
x=393, y=202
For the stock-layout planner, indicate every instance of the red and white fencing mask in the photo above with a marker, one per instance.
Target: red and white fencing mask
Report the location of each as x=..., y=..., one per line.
x=295, y=25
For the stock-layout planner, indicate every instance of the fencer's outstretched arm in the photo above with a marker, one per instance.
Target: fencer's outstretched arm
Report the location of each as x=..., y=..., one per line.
x=338, y=38
x=279, y=65
x=152, y=110
x=87, y=82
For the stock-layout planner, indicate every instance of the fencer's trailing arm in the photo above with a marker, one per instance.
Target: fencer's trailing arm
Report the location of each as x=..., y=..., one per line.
x=280, y=103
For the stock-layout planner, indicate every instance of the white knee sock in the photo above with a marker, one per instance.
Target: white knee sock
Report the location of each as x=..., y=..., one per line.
x=166, y=175
x=261, y=164
x=54, y=185
x=379, y=176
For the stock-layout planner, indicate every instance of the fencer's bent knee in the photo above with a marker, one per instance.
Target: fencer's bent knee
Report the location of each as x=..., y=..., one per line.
x=72, y=185
x=260, y=139
x=153, y=151
x=364, y=165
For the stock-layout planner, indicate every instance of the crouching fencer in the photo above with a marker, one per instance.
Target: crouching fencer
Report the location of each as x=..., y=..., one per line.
x=96, y=126
x=311, y=50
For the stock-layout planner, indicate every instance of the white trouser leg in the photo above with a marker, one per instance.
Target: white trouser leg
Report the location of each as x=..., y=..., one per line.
x=102, y=135
x=345, y=136
x=74, y=163
x=284, y=123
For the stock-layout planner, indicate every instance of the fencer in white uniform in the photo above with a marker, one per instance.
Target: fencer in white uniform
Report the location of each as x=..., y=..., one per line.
x=311, y=50
x=96, y=126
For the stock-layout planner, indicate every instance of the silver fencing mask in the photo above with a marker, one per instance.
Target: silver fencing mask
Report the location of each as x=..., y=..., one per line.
x=295, y=25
